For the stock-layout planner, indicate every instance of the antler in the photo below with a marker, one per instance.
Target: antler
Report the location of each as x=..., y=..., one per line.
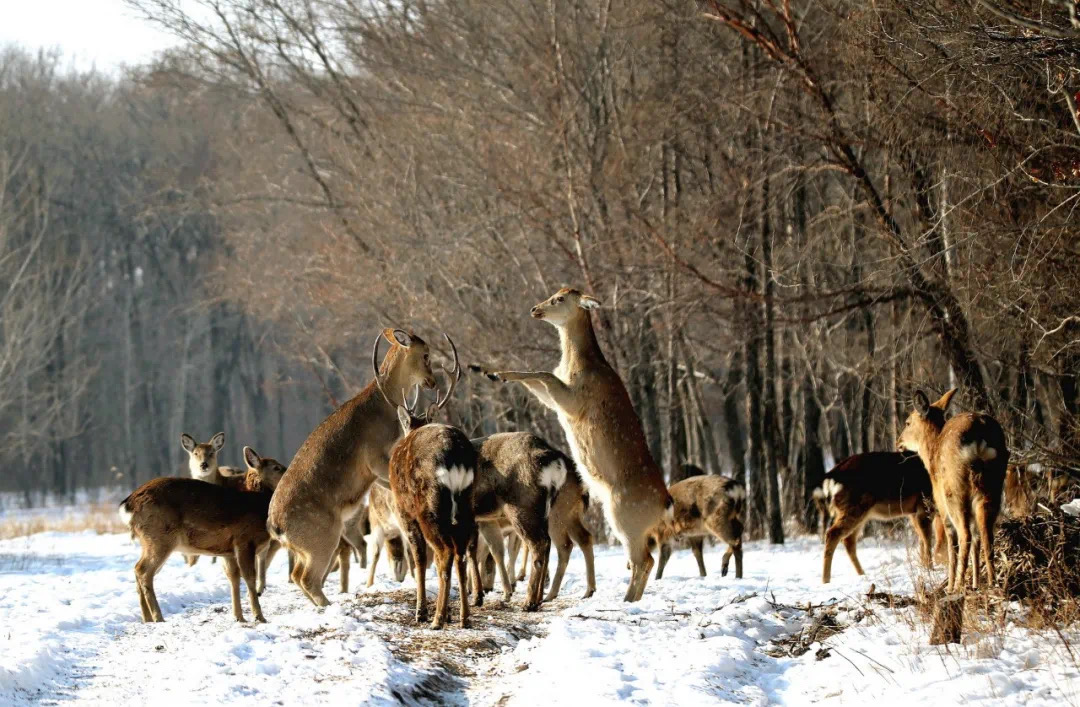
x=378, y=378
x=410, y=407
x=455, y=374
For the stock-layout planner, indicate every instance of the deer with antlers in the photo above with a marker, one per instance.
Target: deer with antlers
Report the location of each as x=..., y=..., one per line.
x=338, y=462
x=604, y=432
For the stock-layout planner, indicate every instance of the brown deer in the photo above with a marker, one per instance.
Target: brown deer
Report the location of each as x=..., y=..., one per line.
x=966, y=458
x=203, y=463
x=432, y=469
x=337, y=463
x=604, y=432
x=705, y=505
x=875, y=486
x=262, y=472
x=519, y=477
x=191, y=516
x=385, y=531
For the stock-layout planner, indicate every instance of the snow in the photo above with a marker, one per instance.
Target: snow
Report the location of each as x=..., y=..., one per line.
x=70, y=630
x=1072, y=507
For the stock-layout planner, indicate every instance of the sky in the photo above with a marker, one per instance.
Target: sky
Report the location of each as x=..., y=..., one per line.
x=90, y=33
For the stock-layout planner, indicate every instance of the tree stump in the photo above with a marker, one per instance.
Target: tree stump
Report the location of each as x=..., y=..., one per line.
x=948, y=619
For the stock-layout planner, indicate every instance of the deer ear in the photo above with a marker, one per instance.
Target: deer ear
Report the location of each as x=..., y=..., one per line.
x=399, y=337
x=218, y=441
x=943, y=402
x=187, y=442
x=251, y=458
x=404, y=418
x=922, y=404
x=588, y=302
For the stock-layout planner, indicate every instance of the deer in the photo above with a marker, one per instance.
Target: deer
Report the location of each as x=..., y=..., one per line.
x=966, y=457
x=385, y=531
x=566, y=527
x=203, y=465
x=875, y=486
x=432, y=470
x=340, y=459
x=519, y=477
x=605, y=434
x=705, y=505
x=191, y=516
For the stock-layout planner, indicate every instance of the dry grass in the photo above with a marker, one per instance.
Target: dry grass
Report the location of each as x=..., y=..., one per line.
x=1038, y=558
x=99, y=517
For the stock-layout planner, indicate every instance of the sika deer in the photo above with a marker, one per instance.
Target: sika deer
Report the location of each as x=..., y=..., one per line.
x=604, y=432
x=705, y=505
x=432, y=469
x=337, y=463
x=263, y=474
x=519, y=477
x=197, y=518
x=385, y=530
x=966, y=458
x=203, y=463
x=875, y=486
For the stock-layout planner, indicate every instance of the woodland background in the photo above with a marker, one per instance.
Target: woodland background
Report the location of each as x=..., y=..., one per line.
x=795, y=213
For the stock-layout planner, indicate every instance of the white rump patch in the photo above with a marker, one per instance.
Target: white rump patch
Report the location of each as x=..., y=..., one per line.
x=831, y=487
x=457, y=479
x=977, y=450
x=553, y=475
x=125, y=514
x=736, y=492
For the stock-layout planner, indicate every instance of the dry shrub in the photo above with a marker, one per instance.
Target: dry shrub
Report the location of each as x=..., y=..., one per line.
x=99, y=517
x=1038, y=563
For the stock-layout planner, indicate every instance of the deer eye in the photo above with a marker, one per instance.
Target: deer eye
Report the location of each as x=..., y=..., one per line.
x=558, y=300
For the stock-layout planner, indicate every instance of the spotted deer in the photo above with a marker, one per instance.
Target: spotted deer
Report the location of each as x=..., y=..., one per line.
x=190, y=516
x=519, y=477
x=604, y=432
x=432, y=469
x=338, y=462
x=875, y=486
x=966, y=457
x=705, y=505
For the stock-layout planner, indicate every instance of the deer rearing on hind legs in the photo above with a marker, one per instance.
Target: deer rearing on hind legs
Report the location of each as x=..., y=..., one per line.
x=604, y=432
x=338, y=462
x=966, y=458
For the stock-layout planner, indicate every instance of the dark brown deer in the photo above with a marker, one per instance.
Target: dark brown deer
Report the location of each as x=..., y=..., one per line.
x=875, y=486
x=432, y=469
x=196, y=518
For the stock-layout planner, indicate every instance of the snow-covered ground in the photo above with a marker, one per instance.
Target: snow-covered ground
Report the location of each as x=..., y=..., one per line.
x=70, y=631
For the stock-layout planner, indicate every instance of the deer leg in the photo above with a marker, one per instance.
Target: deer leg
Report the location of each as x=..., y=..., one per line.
x=849, y=545
x=493, y=537
x=843, y=526
x=316, y=566
x=583, y=539
x=148, y=565
x=474, y=569
x=444, y=560
x=344, y=558
x=232, y=571
x=697, y=546
x=662, y=559
x=292, y=565
x=419, y=550
x=377, y=538
x=265, y=559
x=963, y=550
x=985, y=519
x=462, y=590
x=832, y=539
x=191, y=560
x=736, y=548
x=524, y=562
x=921, y=523
x=245, y=558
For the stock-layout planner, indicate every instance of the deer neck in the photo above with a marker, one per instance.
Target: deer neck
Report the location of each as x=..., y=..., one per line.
x=580, y=348
x=929, y=450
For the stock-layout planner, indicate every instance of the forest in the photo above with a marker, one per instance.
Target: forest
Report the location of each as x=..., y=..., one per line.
x=794, y=213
